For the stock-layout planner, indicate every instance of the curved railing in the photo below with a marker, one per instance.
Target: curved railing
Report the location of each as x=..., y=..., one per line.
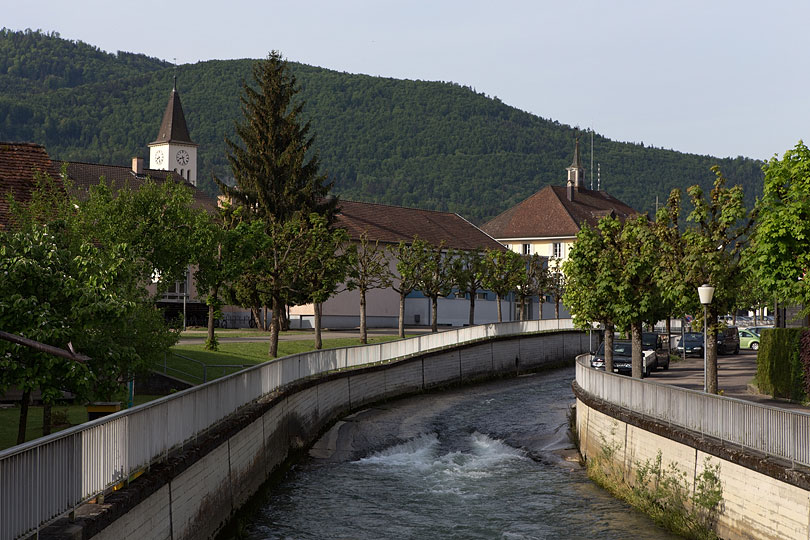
x=43, y=479
x=781, y=433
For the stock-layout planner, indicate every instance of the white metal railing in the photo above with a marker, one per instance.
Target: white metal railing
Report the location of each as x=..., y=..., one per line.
x=783, y=433
x=45, y=478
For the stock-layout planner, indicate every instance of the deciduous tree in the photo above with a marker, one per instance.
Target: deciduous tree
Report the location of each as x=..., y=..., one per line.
x=468, y=273
x=409, y=257
x=368, y=269
x=435, y=278
x=503, y=272
x=780, y=255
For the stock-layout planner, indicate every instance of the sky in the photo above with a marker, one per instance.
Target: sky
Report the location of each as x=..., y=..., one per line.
x=722, y=78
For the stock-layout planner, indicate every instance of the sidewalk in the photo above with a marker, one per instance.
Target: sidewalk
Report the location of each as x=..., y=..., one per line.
x=735, y=376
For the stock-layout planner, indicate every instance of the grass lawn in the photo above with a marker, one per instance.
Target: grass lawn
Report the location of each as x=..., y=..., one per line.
x=248, y=353
x=196, y=332
x=10, y=420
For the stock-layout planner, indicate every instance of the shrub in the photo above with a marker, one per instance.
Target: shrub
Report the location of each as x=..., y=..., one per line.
x=780, y=370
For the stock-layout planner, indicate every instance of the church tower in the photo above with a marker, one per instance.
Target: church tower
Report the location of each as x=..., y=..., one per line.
x=173, y=149
x=576, y=174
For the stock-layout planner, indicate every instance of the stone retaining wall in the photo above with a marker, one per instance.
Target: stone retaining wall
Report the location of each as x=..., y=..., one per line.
x=762, y=498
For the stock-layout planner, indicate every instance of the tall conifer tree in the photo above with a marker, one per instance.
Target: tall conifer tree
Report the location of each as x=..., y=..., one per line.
x=275, y=167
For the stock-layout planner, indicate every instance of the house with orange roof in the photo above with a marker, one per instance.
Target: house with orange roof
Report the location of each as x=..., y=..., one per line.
x=547, y=222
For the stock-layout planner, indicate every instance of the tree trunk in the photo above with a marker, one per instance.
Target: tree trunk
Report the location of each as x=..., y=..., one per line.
x=540, y=308
x=401, y=328
x=500, y=314
x=434, y=310
x=669, y=337
x=285, y=318
x=274, y=327
x=318, y=343
x=23, y=425
x=638, y=354
x=557, y=308
x=609, y=348
x=472, y=308
x=46, y=418
x=363, y=331
x=210, y=343
x=257, y=316
x=711, y=350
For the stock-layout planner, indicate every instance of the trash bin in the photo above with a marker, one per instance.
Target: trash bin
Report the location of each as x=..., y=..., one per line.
x=97, y=409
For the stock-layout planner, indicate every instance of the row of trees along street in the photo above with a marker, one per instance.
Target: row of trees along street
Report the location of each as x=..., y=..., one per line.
x=627, y=274
x=83, y=271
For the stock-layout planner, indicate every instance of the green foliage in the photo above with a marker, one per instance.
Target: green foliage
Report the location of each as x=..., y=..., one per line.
x=435, y=277
x=434, y=145
x=368, y=268
x=708, y=251
x=781, y=249
x=534, y=281
x=503, y=270
x=275, y=169
x=780, y=371
x=663, y=493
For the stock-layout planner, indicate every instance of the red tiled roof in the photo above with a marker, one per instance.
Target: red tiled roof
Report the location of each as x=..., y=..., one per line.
x=392, y=224
x=85, y=175
x=549, y=213
x=19, y=164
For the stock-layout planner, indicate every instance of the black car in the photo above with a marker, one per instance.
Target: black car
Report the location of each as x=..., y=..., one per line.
x=728, y=340
x=693, y=342
x=623, y=358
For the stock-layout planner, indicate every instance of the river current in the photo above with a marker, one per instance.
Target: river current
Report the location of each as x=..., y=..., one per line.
x=483, y=461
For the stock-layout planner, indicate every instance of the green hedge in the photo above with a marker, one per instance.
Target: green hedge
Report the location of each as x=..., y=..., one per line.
x=780, y=371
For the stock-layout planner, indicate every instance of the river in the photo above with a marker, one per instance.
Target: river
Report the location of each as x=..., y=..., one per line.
x=486, y=461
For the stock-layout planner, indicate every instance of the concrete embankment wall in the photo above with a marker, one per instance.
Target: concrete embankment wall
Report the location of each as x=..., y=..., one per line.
x=195, y=493
x=762, y=498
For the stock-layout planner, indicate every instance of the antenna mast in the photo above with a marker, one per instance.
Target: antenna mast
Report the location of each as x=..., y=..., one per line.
x=598, y=177
x=590, y=172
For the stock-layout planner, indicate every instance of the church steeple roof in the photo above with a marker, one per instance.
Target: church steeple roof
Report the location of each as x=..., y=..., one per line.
x=576, y=163
x=173, y=128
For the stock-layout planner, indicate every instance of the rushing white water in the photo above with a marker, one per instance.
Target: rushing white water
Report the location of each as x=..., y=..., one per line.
x=476, y=462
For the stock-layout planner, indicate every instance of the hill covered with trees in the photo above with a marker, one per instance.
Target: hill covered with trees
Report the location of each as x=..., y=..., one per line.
x=432, y=145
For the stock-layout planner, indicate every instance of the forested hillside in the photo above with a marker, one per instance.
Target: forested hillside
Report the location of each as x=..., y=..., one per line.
x=428, y=144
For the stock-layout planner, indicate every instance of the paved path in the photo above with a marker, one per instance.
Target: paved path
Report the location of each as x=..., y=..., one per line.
x=734, y=375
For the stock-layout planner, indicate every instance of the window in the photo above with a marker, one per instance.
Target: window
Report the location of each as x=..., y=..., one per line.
x=527, y=249
x=557, y=250
x=481, y=296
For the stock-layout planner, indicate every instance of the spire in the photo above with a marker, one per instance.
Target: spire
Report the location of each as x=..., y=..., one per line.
x=576, y=173
x=576, y=163
x=173, y=128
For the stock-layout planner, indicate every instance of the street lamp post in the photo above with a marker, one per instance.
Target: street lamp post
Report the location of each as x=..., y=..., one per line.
x=706, y=293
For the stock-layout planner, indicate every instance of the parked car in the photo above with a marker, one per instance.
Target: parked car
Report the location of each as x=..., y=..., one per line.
x=623, y=358
x=749, y=339
x=655, y=343
x=758, y=329
x=728, y=340
x=693, y=342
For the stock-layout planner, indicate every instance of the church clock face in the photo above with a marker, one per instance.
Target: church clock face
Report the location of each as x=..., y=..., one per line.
x=182, y=157
x=159, y=157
